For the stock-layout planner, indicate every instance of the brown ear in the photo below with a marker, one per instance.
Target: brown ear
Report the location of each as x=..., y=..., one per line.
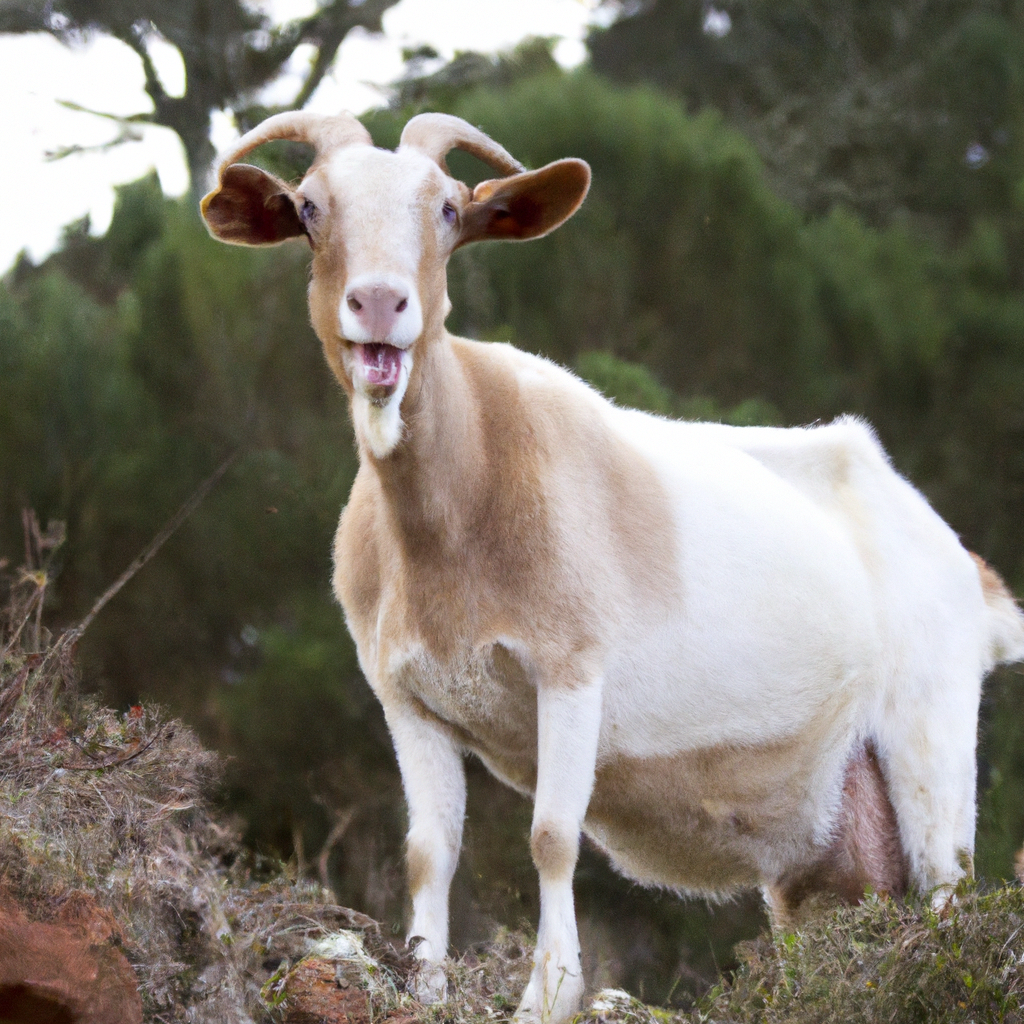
x=251, y=207
x=525, y=205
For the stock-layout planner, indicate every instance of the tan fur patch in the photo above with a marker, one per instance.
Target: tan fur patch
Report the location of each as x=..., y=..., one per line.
x=992, y=584
x=357, y=581
x=461, y=506
x=627, y=518
x=705, y=820
x=554, y=853
x=419, y=868
x=487, y=700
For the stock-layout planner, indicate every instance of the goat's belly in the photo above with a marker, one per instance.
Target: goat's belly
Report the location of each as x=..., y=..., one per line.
x=716, y=819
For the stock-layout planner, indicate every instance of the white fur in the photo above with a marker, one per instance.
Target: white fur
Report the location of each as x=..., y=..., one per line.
x=431, y=764
x=377, y=196
x=568, y=726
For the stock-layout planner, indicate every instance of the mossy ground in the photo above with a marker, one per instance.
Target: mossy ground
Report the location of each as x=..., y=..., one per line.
x=887, y=960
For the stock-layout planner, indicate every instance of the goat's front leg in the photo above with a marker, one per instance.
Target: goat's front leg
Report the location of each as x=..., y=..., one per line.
x=434, y=780
x=568, y=723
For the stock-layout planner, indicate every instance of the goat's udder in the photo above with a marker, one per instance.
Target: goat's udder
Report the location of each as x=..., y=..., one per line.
x=865, y=853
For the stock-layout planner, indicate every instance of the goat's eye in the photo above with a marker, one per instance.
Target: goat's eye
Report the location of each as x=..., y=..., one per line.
x=448, y=212
x=308, y=212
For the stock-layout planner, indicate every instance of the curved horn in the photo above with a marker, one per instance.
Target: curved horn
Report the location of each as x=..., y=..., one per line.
x=437, y=134
x=322, y=132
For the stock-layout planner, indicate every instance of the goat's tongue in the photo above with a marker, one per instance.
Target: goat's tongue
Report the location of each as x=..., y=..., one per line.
x=381, y=363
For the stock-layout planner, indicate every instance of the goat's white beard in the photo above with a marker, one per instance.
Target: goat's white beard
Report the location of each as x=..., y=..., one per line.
x=380, y=424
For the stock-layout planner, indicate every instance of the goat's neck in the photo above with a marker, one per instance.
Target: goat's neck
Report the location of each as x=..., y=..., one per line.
x=430, y=475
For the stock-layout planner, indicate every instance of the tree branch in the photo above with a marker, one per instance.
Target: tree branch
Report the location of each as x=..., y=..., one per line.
x=154, y=87
x=73, y=635
x=328, y=28
x=142, y=118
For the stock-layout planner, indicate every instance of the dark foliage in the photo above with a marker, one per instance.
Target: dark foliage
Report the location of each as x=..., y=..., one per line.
x=895, y=110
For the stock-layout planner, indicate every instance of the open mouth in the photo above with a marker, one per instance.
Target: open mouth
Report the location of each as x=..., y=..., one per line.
x=381, y=363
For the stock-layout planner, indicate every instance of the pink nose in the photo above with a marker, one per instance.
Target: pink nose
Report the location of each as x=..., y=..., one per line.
x=378, y=307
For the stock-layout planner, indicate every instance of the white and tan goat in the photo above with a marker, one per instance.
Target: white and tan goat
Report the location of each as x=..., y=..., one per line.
x=733, y=657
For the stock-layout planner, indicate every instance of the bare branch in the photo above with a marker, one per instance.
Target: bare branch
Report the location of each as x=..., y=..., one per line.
x=328, y=29
x=100, y=763
x=143, y=118
x=136, y=39
x=36, y=600
x=341, y=824
x=126, y=134
x=73, y=635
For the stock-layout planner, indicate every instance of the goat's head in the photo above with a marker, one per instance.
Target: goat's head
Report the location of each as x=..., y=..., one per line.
x=382, y=226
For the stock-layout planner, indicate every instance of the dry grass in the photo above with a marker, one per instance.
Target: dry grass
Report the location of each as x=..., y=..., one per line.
x=118, y=805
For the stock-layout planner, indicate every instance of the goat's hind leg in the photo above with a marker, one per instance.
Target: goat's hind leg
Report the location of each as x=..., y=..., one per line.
x=928, y=754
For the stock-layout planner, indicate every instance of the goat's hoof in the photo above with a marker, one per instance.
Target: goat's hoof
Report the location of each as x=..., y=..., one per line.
x=943, y=898
x=552, y=996
x=429, y=983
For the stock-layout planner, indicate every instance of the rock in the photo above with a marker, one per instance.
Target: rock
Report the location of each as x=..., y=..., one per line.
x=313, y=995
x=318, y=992
x=66, y=971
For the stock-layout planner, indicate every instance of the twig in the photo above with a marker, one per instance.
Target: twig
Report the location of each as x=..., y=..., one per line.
x=300, y=851
x=354, y=918
x=10, y=698
x=341, y=824
x=30, y=530
x=126, y=134
x=36, y=597
x=38, y=626
x=99, y=793
x=73, y=635
x=82, y=750
x=119, y=118
x=115, y=763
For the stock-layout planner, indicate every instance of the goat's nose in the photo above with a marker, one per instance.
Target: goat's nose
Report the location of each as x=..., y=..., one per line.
x=378, y=307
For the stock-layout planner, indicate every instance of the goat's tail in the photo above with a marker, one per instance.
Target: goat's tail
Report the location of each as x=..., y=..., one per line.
x=1005, y=619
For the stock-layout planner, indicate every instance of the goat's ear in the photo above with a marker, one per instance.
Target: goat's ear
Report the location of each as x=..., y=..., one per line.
x=525, y=205
x=251, y=207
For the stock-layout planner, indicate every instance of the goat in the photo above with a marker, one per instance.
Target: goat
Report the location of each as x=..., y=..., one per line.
x=732, y=656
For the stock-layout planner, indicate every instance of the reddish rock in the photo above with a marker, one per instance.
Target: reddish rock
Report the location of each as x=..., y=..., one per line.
x=65, y=971
x=317, y=992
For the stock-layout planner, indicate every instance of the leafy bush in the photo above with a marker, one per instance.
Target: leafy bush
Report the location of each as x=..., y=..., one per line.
x=887, y=960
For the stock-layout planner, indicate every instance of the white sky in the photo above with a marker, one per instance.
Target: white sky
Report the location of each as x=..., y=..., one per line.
x=38, y=197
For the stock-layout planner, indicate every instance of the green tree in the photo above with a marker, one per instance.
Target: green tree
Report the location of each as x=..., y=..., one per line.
x=891, y=109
